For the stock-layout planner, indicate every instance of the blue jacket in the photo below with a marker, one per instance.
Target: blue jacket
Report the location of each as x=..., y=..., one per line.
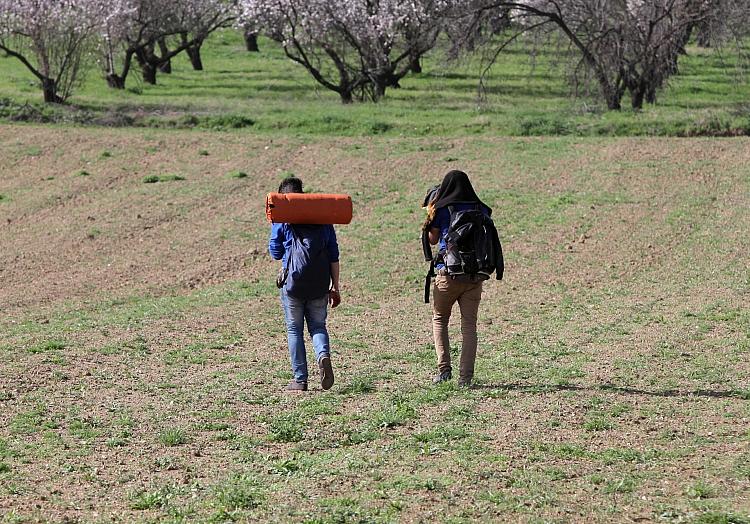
x=281, y=238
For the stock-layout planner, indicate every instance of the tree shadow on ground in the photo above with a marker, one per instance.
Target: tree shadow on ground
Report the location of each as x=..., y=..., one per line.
x=625, y=390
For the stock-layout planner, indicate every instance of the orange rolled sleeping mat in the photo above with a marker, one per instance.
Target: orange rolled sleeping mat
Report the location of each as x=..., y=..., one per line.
x=308, y=208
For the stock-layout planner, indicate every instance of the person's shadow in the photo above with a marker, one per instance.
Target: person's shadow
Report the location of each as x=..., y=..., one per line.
x=609, y=388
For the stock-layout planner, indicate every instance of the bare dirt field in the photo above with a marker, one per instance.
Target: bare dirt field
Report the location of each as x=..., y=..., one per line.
x=143, y=353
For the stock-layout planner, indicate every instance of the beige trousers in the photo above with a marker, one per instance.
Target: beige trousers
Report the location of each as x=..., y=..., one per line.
x=446, y=292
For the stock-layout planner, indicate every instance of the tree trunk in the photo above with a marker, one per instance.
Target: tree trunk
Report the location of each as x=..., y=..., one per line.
x=612, y=94
x=416, y=66
x=703, y=39
x=194, y=52
x=49, y=88
x=251, y=41
x=149, y=73
x=346, y=96
x=145, y=57
x=115, y=81
x=379, y=86
x=614, y=100
x=637, y=96
x=165, y=66
x=390, y=80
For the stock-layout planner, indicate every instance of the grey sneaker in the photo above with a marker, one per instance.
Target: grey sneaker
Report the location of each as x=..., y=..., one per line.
x=326, y=373
x=297, y=386
x=442, y=377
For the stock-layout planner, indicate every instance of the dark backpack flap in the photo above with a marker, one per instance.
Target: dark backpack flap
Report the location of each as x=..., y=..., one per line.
x=471, y=245
x=308, y=265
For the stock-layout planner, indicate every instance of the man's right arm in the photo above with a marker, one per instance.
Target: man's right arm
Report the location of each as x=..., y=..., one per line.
x=276, y=242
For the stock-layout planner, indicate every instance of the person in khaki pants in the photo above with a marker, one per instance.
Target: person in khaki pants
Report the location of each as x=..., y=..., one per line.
x=455, y=193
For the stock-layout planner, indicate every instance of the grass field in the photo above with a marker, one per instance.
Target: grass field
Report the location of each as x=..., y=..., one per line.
x=267, y=94
x=143, y=353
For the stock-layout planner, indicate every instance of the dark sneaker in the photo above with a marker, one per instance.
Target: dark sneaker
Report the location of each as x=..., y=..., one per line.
x=464, y=382
x=326, y=373
x=442, y=377
x=297, y=386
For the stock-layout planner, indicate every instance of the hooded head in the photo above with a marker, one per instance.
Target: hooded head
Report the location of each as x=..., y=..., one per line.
x=456, y=189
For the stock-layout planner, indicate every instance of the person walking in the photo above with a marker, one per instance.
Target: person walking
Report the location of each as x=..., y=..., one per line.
x=469, y=252
x=309, y=283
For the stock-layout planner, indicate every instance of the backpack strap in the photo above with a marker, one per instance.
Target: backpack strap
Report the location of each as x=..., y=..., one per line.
x=295, y=238
x=296, y=235
x=429, y=257
x=427, y=249
x=428, y=281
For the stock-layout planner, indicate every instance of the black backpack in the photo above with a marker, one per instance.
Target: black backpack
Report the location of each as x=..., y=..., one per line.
x=472, y=248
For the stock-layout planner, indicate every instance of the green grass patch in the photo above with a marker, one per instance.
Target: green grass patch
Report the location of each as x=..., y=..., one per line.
x=621, y=485
x=47, y=347
x=153, y=179
x=720, y=517
x=287, y=427
x=171, y=437
x=442, y=434
x=240, y=492
x=84, y=429
x=396, y=411
x=359, y=386
x=598, y=423
x=701, y=490
x=153, y=499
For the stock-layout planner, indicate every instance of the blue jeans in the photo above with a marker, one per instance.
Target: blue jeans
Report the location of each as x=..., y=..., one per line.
x=296, y=311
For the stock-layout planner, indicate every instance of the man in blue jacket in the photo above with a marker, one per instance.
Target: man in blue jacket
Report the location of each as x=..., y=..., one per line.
x=308, y=253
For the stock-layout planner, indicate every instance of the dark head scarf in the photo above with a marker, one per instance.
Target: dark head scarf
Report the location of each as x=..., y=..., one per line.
x=456, y=189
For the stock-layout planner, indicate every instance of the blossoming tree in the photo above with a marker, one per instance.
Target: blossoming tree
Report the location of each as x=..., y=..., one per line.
x=356, y=48
x=154, y=31
x=53, y=38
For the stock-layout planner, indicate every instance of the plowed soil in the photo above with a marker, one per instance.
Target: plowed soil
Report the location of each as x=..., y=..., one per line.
x=143, y=353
